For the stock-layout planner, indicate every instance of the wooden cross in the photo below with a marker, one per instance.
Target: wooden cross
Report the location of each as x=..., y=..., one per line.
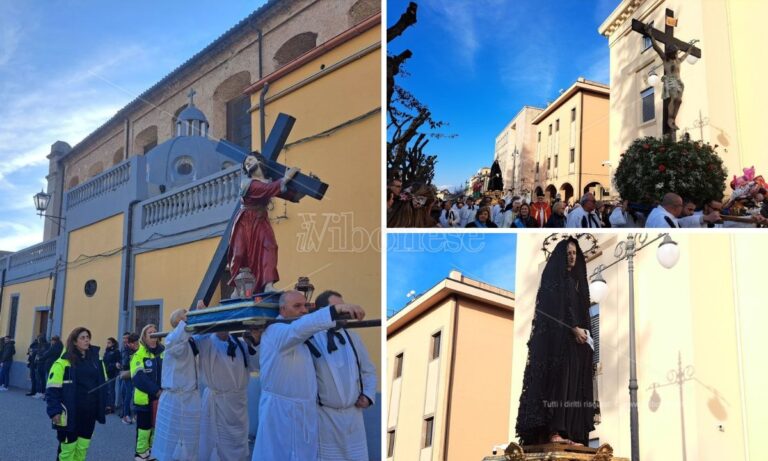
x=667, y=38
x=301, y=185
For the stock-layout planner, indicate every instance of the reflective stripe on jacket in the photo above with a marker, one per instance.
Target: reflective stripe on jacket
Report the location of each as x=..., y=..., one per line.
x=61, y=390
x=146, y=369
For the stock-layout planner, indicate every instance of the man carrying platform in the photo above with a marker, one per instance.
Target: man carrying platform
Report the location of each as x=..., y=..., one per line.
x=226, y=363
x=346, y=381
x=288, y=415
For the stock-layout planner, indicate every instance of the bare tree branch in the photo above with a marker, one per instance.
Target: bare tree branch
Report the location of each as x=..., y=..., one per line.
x=406, y=20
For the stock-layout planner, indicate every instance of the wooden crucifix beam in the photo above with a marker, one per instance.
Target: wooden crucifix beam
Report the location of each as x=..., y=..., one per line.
x=302, y=184
x=667, y=37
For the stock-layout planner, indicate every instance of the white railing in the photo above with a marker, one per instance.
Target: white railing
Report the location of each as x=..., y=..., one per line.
x=34, y=254
x=195, y=198
x=101, y=184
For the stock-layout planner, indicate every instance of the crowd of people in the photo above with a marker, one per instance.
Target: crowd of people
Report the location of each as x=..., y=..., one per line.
x=418, y=206
x=188, y=396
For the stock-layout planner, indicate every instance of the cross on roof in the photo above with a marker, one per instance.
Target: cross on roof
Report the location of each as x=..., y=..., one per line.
x=191, y=96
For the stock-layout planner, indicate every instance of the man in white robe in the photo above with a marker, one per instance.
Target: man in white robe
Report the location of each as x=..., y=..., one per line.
x=177, y=426
x=666, y=213
x=346, y=381
x=584, y=216
x=226, y=364
x=288, y=416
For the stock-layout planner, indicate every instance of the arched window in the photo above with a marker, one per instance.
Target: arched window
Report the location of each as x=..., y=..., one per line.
x=118, y=157
x=236, y=105
x=294, y=47
x=95, y=169
x=146, y=140
x=361, y=10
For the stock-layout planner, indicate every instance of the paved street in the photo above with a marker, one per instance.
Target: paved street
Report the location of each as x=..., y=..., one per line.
x=27, y=433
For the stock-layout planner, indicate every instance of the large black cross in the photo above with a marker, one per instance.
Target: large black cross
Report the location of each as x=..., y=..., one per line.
x=301, y=185
x=667, y=38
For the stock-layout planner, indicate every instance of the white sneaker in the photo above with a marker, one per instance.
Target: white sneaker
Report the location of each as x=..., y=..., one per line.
x=3, y=388
x=143, y=457
x=39, y=396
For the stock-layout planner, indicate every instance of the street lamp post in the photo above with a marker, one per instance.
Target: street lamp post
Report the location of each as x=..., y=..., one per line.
x=42, y=200
x=667, y=254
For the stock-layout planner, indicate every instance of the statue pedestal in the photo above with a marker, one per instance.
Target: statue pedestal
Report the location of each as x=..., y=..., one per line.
x=555, y=451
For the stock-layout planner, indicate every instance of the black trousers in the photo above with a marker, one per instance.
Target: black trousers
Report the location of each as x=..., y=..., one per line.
x=144, y=419
x=33, y=377
x=84, y=425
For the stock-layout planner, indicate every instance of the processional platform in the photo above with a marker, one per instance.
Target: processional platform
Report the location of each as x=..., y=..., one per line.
x=235, y=314
x=555, y=452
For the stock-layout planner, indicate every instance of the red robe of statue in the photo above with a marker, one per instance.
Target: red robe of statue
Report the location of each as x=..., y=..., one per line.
x=541, y=212
x=252, y=243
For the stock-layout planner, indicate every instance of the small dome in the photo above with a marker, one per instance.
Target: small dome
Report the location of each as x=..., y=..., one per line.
x=192, y=113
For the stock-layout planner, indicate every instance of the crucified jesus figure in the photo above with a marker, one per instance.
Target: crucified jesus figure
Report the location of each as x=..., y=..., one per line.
x=672, y=91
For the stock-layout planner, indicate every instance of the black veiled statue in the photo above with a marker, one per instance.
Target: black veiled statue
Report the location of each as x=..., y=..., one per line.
x=557, y=403
x=495, y=182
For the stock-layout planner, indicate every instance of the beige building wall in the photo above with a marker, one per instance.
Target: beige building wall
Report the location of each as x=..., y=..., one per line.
x=32, y=295
x=701, y=312
x=721, y=103
x=594, y=145
x=475, y=323
x=414, y=393
x=173, y=275
x=581, y=113
x=516, y=152
x=338, y=138
x=479, y=386
x=94, y=253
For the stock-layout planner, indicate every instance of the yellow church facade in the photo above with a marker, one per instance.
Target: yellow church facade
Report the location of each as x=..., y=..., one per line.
x=134, y=246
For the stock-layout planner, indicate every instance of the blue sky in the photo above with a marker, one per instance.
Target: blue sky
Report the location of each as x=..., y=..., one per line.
x=476, y=63
x=419, y=261
x=67, y=66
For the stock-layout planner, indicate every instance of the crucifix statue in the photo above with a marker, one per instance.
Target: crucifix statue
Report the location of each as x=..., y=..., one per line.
x=263, y=177
x=672, y=91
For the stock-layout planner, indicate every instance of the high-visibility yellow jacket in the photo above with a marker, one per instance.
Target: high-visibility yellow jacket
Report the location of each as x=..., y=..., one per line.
x=146, y=370
x=61, y=390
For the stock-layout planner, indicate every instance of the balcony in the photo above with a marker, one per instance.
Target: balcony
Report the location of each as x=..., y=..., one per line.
x=199, y=210
x=34, y=262
x=106, y=182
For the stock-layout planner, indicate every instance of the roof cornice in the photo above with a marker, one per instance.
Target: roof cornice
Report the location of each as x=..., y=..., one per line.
x=587, y=86
x=624, y=11
x=443, y=290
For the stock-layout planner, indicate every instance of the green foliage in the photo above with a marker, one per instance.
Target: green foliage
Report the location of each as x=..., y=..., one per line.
x=652, y=167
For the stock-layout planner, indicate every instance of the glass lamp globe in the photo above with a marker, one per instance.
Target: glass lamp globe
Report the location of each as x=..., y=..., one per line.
x=668, y=252
x=41, y=200
x=692, y=59
x=653, y=78
x=598, y=288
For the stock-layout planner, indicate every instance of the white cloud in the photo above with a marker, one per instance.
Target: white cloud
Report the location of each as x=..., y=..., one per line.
x=10, y=32
x=19, y=236
x=36, y=114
